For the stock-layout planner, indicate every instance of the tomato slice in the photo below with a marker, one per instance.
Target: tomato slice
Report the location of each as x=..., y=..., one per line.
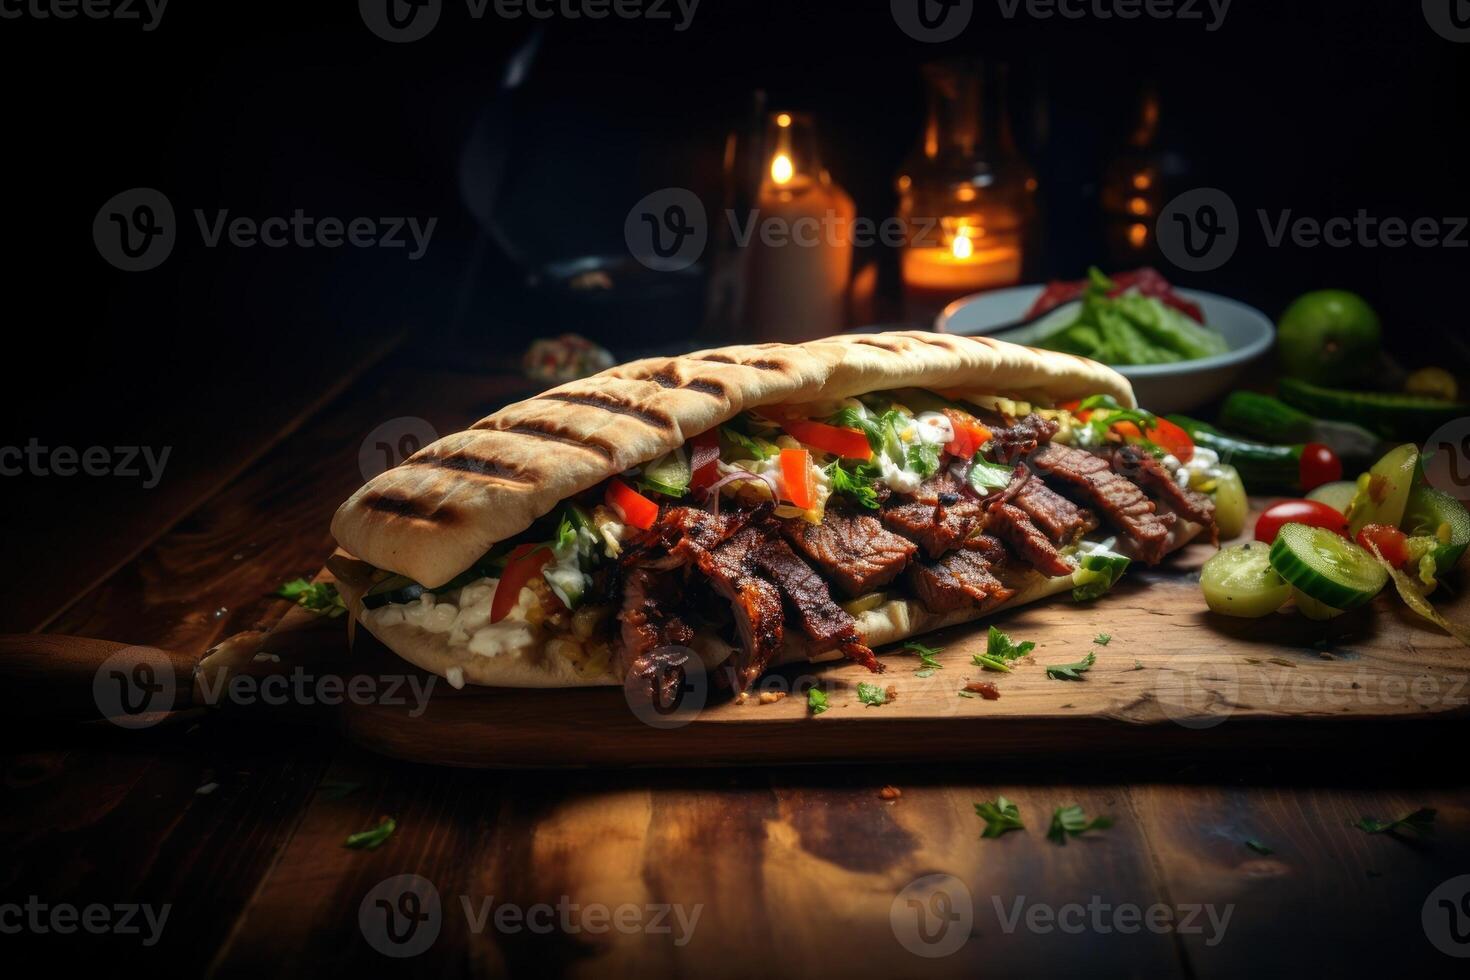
x=1174, y=440
x=847, y=443
x=1392, y=543
x=797, y=477
x=969, y=434
x=704, y=460
x=524, y=563
x=1319, y=465
x=631, y=505
x=1311, y=512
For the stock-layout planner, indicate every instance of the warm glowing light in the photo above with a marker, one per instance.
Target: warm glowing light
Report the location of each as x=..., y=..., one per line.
x=1138, y=205
x=1142, y=181
x=784, y=120
x=781, y=169
x=962, y=247
x=1138, y=235
x=966, y=194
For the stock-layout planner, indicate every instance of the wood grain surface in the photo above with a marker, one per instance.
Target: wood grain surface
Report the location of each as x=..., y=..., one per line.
x=238, y=827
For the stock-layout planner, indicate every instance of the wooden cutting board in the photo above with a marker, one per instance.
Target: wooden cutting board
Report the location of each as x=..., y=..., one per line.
x=1173, y=679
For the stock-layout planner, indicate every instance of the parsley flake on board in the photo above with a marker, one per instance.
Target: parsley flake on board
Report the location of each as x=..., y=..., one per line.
x=1069, y=821
x=872, y=695
x=926, y=657
x=816, y=700
x=1000, y=816
x=1421, y=822
x=319, y=597
x=367, y=840
x=1071, y=672
x=999, y=650
x=1103, y=639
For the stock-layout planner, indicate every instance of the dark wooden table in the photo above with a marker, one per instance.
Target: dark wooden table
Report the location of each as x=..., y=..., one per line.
x=237, y=827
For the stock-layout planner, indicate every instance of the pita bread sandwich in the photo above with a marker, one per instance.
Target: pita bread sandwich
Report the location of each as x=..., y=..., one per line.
x=758, y=505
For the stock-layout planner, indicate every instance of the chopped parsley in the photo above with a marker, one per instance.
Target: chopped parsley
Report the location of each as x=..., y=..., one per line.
x=319, y=597
x=1421, y=822
x=999, y=650
x=368, y=840
x=926, y=655
x=816, y=700
x=923, y=459
x=1000, y=815
x=1071, y=672
x=858, y=483
x=1103, y=639
x=968, y=694
x=872, y=695
x=851, y=418
x=757, y=449
x=1070, y=821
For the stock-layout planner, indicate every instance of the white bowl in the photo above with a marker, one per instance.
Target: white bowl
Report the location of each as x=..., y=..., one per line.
x=1160, y=388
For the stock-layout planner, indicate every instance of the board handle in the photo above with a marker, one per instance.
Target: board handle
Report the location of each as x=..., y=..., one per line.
x=58, y=678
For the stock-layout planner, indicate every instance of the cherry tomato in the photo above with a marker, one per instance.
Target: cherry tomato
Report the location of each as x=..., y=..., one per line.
x=633, y=507
x=1310, y=512
x=847, y=443
x=522, y=564
x=1319, y=465
x=797, y=477
x=1392, y=543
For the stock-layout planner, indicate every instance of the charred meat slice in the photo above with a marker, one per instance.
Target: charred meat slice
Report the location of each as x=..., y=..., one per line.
x=1062, y=520
x=1119, y=501
x=756, y=603
x=809, y=602
x=650, y=626
x=1141, y=467
x=938, y=517
x=700, y=527
x=957, y=580
x=1011, y=525
x=853, y=551
x=1010, y=443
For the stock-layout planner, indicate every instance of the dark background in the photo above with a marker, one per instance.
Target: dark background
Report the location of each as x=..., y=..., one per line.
x=1322, y=107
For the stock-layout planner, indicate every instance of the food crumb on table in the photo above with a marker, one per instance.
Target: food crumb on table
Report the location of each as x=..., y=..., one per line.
x=890, y=792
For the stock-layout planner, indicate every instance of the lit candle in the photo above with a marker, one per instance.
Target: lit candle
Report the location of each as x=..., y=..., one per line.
x=966, y=264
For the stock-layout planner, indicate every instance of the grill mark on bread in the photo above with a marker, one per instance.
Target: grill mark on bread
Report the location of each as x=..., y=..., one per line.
x=765, y=364
x=550, y=433
x=664, y=379
x=613, y=405
x=464, y=462
x=890, y=348
x=705, y=387
x=396, y=504
x=719, y=359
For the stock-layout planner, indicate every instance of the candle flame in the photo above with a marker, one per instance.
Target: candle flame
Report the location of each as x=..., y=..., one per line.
x=784, y=120
x=962, y=247
x=781, y=169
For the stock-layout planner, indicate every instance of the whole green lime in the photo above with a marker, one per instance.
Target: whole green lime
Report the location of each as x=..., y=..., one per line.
x=1329, y=337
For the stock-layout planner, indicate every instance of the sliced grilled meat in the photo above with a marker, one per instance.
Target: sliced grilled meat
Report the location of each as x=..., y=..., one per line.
x=1119, y=501
x=701, y=528
x=649, y=627
x=1011, y=525
x=938, y=517
x=809, y=602
x=853, y=551
x=1010, y=443
x=957, y=580
x=756, y=603
x=1142, y=468
x=1062, y=520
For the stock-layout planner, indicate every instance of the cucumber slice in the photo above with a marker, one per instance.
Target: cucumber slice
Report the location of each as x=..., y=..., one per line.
x=1241, y=582
x=1312, y=609
x=668, y=475
x=1232, y=506
x=1436, y=514
x=1383, y=492
x=863, y=603
x=1335, y=495
x=1327, y=567
x=394, y=589
x=1096, y=573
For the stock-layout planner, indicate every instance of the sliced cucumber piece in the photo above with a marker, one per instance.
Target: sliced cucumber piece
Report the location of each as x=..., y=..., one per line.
x=863, y=603
x=668, y=475
x=1327, y=567
x=1096, y=573
x=1241, y=582
x=394, y=589
x=1232, y=506
x=1312, y=609
x=1432, y=513
x=1383, y=492
x=1336, y=495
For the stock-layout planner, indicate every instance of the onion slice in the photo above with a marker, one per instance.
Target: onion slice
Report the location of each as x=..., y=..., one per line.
x=737, y=476
x=1417, y=601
